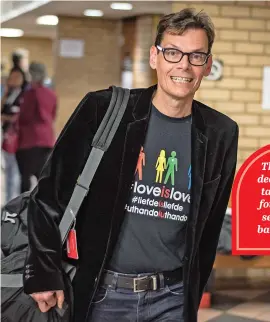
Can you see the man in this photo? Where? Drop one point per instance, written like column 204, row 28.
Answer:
column 146, row 248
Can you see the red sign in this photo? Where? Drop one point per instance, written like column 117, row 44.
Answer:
column 251, row 206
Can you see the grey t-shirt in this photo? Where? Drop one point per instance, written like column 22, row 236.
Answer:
column 153, row 233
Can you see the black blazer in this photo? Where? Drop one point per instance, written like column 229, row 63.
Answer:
column 214, row 154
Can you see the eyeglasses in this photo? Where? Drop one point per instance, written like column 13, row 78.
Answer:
column 173, row 55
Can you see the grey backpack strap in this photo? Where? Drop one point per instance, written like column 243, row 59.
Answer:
column 11, row 280
column 100, row 144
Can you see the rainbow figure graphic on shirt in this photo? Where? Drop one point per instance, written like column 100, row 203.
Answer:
column 160, row 166
column 189, row 177
column 172, row 166
column 140, row 164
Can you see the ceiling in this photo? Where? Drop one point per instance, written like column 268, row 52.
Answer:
column 27, row 21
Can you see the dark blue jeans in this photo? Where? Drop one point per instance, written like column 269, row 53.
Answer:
column 123, row 305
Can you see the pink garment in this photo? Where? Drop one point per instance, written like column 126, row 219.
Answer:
column 37, row 115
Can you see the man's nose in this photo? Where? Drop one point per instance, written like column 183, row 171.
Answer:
column 184, row 63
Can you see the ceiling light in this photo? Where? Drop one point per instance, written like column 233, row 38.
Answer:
column 10, row 32
column 93, row 13
column 47, row 20
column 121, row 6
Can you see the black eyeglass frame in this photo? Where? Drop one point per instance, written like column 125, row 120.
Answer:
column 163, row 50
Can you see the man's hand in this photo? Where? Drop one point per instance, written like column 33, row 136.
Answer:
column 47, row 300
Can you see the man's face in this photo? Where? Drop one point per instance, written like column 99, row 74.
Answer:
column 181, row 80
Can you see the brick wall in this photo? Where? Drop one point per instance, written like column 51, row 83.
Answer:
column 98, row 68
column 128, row 33
column 143, row 75
column 243, row 44
column 40, row 49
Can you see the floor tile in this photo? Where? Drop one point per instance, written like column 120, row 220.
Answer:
column 242, row 294
column 249, row 309
column 264, row 316
column 207, row 314
column 231, row 318
column 225, row 302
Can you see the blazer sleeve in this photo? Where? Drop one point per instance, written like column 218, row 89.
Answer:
column 211, row 233
column 43, row 271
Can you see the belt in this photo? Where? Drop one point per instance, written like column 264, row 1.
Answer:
column 140, row 283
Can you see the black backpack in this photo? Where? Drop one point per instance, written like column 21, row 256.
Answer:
column 16, row 305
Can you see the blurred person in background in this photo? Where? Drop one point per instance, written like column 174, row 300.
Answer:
column 19, row 60
column 10, row 108
column 3, row 79
column 36, row 126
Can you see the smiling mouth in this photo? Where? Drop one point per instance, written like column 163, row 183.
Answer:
column 181, row 79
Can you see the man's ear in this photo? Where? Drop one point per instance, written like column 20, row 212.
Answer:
column 153, row 57
column 208, row 66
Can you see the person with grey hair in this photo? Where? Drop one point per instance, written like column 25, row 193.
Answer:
column 37, row 72
column 36, row 126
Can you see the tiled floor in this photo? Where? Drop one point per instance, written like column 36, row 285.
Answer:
column 238, row 306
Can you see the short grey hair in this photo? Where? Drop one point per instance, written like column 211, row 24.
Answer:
column 37, row 72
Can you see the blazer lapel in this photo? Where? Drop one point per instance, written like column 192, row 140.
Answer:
column 135, row 135
column 134, row 140
column 198, row 158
